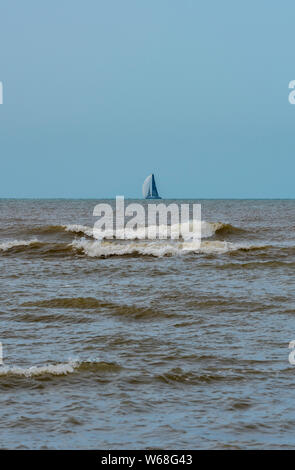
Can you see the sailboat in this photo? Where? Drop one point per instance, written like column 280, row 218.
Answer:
column 149, row 188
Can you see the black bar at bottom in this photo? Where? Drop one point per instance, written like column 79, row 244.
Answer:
column 136, row 459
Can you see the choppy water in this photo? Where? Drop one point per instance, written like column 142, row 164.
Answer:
column 142, row 343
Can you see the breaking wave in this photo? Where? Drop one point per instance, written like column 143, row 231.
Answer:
column 57, row 369
column 134, row 243
column 107, row 248
column 79, row 230
column 8, row 245
column 158, row 248
column 56, row 229
column 208, row 230
column 184, row 230
column 226, row 229
column 37, row 248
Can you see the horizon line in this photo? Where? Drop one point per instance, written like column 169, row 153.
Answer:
column 142, row 199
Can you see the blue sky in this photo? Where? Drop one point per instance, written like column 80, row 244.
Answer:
column 100, row 93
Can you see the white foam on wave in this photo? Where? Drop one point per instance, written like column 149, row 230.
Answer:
column 4, row 246
column 104, row 248
column 157, row 248
column 208, row 229
column 34, row 371
column 79, row 229
column 185, row 229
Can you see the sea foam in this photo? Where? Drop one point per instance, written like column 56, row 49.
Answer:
column 208, row 229
column 7, row 245
column 34, row 371
column 65, row 368
column 157, row 248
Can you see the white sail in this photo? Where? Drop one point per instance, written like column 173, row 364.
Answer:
column 146, row 187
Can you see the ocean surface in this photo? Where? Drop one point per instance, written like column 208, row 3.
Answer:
column 145, row 343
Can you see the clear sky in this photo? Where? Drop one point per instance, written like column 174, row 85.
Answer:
column 100, row 93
